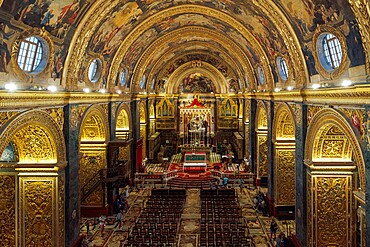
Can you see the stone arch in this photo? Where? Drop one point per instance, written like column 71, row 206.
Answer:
column 36, row 126
column 93, row 140
column 334, row 159
column 284, row 182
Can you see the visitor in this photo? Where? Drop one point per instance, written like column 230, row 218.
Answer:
column 226, row 181
column 284, row 241
column 278, row 240
column 119, row 219
column 241, row 185
column 102, row 222
column 273, row 228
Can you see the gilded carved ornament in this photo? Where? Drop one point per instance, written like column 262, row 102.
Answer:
column 317, row 49
column 284, row 125
column 361, row 9
column 35, row 144
column 188, row 8
column 347, row 143
column 7, row 210
column 262, row 156
column 94, row 125
column 46, row 37
column 262, row 121
column 160, row 45
column 285, row 177
column 123, row 120
column 37, row 201
column 142, row 111
column 40, row 124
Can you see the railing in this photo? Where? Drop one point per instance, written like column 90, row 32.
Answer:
column 103, row 176
column 169, row 175
column 93, row 183
column 247, row 177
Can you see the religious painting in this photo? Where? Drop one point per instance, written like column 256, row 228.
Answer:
column 109, row 36
column 196, row 83
column 5, row 34
column 138, row 46
column 9, row 154
column 55, row 16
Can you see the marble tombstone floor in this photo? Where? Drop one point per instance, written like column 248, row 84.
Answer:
column 188, row 234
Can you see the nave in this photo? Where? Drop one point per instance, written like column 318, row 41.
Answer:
column 191, row 227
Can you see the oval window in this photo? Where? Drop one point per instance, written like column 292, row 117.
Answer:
column 261, row 76
column 32, row 54
column 329, row 51
column 94, row 70
column 282, row 68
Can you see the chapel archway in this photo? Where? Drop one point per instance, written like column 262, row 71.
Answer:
column 33, row 182
column 143, row 125
column 335, row 178
column 261, row 143
column 92, row 155
column 284, row 165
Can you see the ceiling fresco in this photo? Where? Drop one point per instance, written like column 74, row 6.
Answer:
column 122, row 34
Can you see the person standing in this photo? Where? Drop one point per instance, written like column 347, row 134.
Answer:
column 273, row 228
column 119, row 219
column 102, row 222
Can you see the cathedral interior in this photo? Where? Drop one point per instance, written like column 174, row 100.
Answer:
column 94, row 92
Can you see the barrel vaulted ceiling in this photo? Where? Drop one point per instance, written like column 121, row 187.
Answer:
column 148, row 41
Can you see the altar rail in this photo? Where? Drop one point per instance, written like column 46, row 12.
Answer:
column 151, row 178
column 248, row 178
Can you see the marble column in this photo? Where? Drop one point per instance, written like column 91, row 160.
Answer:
column 300, row 114
column 73, row 114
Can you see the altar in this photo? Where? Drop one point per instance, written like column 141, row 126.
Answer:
column 195, row 162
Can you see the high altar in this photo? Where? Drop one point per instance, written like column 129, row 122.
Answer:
column 196, row 126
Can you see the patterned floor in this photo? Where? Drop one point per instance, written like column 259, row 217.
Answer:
column 188, row 235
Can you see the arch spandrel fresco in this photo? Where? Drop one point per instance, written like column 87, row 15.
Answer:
column 307, row 15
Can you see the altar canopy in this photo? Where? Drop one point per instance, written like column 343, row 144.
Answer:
column 196, row 126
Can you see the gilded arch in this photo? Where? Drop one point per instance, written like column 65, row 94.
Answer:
column 284, row 125
column 261, row 119
column 284, row 165
column 94, row 125
column 43, row 125
column 189, row 8
column 236, row 63
column 205, row 68
column 262, row 148
column 123, row 117
column 322, row 123
column 160, row 44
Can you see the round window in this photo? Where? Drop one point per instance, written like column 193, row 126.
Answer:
column 94, row 70
column 261, row 76
column 282, row 68
column 32, row 54
column 329, row 51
